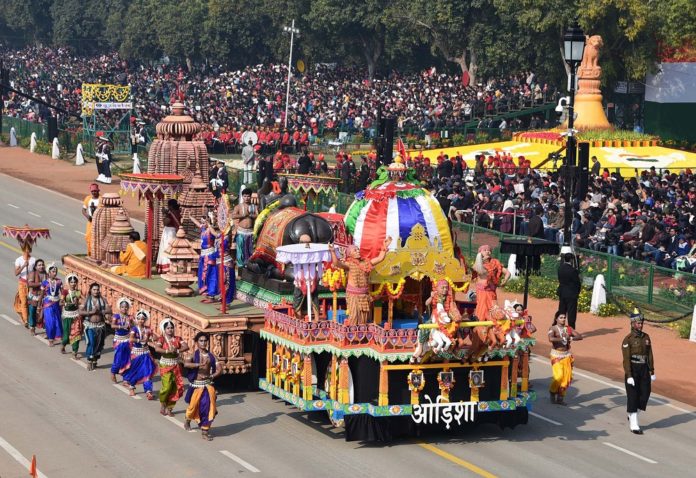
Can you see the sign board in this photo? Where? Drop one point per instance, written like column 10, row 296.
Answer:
column 692, row 335
column 621, row 87
column 636, row 88
column 448, row 412
column 113, row 106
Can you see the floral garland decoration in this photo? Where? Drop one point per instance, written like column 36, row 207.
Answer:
column 334, row 278
column 463, row 288
column 393, row 292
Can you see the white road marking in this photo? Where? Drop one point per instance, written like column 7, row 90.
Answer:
column 58, row 224
column 12, row 205
column 659, row 401
column 178, row 423
column 9, row 319
column 80, row 232
column 19, row 458
column 126, row 391
column 245, row 464
column 36, row 186
column 80, row 363
column 42, row 339
column 33, row 214
column 629, row 452
column 541, row 417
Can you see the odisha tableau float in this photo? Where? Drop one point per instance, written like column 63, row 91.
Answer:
column 391, row 346
column 368, row 317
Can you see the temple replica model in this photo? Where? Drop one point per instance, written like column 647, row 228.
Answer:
column 177, row 168
column 368, row 320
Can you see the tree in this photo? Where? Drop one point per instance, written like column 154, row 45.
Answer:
column 360, row 24
column 28, row 20
column 178, row 28
column 79, row 24
column 454, row 28
column 139, row 38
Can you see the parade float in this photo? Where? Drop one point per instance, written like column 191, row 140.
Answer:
column 177, row 168
column 419, row 359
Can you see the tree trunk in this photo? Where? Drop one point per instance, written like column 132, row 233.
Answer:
column 189, row 64
column 372, row 49
column 473, row 67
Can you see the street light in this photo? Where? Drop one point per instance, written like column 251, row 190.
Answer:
column 573, row 49
column 292, row 30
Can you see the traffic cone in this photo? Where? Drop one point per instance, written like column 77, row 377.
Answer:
column 32, row 467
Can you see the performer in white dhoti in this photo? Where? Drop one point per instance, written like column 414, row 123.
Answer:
column 171, row 218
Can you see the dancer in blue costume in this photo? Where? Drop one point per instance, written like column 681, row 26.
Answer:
column 121, row 322
column 51, row 293
column 214, row 288
column 95, row 310
column 142, row 366
column 207, row 249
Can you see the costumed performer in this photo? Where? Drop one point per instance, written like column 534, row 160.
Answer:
column 72, row 324
column 34, row 281
column 244, row 215
column 639, row 369
column 207, row 243
column 443, row 313
column 142, row 366
column 89, row 205
column 490, row 274
column 171, row 219
column 50, row 297
column 358, row 297
column 201, row 396
column 134, row 259
column 171, row 347
column 560, row 336
column 96, row 311
column 121, row 323
column 24, row 264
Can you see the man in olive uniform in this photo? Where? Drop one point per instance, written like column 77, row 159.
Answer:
column 639, row 369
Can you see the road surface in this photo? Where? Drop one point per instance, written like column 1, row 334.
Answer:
column 78, row 423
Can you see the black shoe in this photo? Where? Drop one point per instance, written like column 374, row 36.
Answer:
column 637, row 432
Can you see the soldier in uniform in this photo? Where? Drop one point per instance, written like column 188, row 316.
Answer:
column 639, row 369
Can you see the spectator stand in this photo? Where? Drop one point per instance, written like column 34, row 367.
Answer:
column 647, row 285
column 106, row 108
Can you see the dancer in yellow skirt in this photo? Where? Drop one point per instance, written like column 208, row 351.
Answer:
column 560, row 336
column 201, row 396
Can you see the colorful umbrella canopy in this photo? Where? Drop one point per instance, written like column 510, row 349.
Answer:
column 391, row 209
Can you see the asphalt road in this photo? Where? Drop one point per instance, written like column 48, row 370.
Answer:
column 78, row 424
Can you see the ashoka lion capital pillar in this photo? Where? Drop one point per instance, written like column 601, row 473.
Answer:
column 588, row 99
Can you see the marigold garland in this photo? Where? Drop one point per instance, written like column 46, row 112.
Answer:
column 392, row 292
column 334, row 278
column 463, row 288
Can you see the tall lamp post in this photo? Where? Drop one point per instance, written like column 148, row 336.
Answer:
column 573, row 49
column 292, row 30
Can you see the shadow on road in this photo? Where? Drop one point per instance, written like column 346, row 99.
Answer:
column 598, row 332
column 234, row 428
column 669, row 422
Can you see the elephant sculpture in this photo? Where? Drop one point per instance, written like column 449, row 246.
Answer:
column 270, row 191
column 280, row 224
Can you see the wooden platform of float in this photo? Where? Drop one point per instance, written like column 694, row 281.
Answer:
column 231, row 334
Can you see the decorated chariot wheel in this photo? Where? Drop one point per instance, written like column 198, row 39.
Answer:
column 336, row 416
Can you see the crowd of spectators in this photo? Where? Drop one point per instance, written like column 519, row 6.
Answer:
column 326, row 97
column 650, row 216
